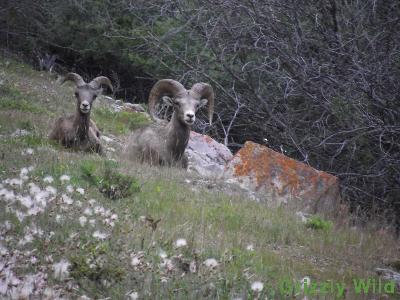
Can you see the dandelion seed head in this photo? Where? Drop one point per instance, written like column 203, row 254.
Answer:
column 133, row 295
column 250, row 247
column 70, row 189
column 64, row 178
column 99, row 235
column 180, row 243
column 82, row 220
column 211, row 263
column 257, row 286
column 51, row 190
column 48, row 179
column 66, row 199
column 61, row 269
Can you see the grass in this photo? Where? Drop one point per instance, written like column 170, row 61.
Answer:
column 119, row 122
column 128, row 243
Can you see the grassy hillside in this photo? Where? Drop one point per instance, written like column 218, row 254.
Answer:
column 75, row 225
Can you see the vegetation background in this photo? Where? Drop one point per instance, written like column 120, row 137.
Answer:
column 318, row 80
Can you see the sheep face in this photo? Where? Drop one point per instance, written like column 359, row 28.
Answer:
column 185, row 107
column 85, row 95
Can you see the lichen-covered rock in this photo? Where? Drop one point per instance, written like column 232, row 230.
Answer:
column 282, row 180
column 206, row 156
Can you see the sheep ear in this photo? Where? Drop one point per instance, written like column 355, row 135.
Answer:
column 167, row 100
column 203, row 102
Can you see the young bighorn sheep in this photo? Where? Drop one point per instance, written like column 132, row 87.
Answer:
column 78, row 131
column 164, row 143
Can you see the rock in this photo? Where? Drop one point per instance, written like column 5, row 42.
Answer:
column 389, row 274
column 134, row 107
column 206, row 156
column 20, row 132
column 119, row 102
column 283, row 180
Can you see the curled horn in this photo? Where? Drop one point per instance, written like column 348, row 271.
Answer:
column 75, row 78
column 163, row 87
column 98, row 81
column 205, row 91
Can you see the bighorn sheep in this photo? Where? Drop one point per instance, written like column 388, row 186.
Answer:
column 78, row 131
column 164, row 143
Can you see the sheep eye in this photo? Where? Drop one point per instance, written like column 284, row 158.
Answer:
column 94, row 97
column 76, row 94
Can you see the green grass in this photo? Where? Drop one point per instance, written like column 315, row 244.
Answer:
column 12, row 99
column 118, row 122
column 151, row 209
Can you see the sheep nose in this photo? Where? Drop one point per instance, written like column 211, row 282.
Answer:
column 85, row 104
column 190, row 116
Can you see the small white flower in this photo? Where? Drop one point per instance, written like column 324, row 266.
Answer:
column 92, row 202
column 31, row 168
column 80, row 191
column 250, row 247
column 51, row 190
column 162, row 254
column 92, row 222
column 28, row 151
column 114, row 217
column 135, row 261
column 70, row 189
column 257, row 286
column 180, row 243
column 48, row 179
column 133, row 296
column 61, row 269
column 65, row 178
column 211, row 263
column 99, row 235
column 88, row 211
column 67, row 200
column 59, row 219
column 34, row 260
column 82, row 220
column 142, row 219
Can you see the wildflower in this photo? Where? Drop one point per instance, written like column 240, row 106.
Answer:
column 58, row 219
column 88, row 211
column 133, row 295
column 28, row 151
column 135, row 261
column 114, row 217
column 61, row 269
column 51, row 190
column 211, row 263
column 180, row 243
column 257, row 286
column 92, row 222
column 162, row 254
column 48, row 179
column 82, row 220
column 80, row 191
column 65, row 178
column 250, row 247
column 99, row 235
column 67, row 200
column 70, row 188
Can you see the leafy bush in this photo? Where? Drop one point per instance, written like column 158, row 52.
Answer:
column 317, row 223
column 110, row 182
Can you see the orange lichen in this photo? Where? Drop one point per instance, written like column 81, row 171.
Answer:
column 271, row 169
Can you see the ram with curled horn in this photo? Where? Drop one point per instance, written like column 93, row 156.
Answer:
column 164, row 143
column 78, row 131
